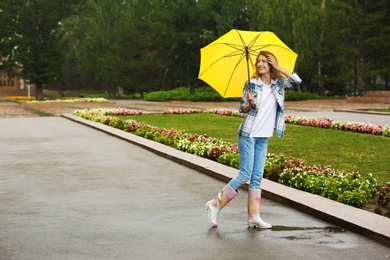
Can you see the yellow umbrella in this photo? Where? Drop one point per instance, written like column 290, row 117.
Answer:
column 228, row 62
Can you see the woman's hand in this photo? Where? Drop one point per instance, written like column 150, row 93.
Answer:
column 251, row 99
column 271, row 60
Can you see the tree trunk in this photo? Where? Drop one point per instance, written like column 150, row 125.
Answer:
column 319, row 71
column 39, row 91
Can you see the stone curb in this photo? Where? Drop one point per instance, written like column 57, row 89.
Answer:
column 361, row 112
column 368, row 224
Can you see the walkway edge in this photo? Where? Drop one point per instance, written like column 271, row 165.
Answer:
column 368, row 224
column 361, row 112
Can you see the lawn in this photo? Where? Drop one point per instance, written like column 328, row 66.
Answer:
column 381, row 110
column 347, row 151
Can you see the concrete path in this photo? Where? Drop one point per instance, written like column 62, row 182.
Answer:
column 71, row 192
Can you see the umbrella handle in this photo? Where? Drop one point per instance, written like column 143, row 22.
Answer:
column 247, row 61
column 251, row 102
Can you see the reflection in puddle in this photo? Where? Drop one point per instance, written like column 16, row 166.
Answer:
column 328, row 235
column 326, row 229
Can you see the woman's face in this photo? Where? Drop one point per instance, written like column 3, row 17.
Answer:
column 262, row 65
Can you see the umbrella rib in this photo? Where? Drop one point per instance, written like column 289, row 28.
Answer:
column 231, row 75
column 259, row 47
column 237, row 52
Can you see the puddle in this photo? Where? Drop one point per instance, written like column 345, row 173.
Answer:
column 328, row 235
column 326, row 229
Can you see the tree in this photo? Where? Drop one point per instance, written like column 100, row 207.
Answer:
column 308, row 32
column 296, row 23
column 35, row 39
column 177, row 27
column 140, row 46
column 111, row 41
column 375, row 51
column 7, row 36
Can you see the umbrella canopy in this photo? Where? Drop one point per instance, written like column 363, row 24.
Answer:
column 228, row 62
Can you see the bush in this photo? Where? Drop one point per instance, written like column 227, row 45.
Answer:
column 274, row 166
column 209, row 94
column 386, row 131
column 347, row 188
column 231, row 159
column 183, row 93
column 384, row 197
column 273, row 172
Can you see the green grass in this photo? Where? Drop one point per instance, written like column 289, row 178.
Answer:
column 380, row 110
column 342, row 150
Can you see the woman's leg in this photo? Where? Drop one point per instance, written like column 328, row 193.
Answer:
column 254, row 219
column 254, row 192
column 260, row 155
column 215, row 205
column 247, row 153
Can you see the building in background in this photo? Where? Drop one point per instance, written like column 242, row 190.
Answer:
column 15, row 87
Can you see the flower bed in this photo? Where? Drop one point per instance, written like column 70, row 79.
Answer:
column 346, row 187
column 322, row 122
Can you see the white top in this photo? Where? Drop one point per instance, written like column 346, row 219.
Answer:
column 264, row 123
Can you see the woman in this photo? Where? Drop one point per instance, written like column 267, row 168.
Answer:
column 263, row 102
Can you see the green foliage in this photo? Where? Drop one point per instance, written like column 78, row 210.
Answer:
column 386, row 130
column 274, row 166
column 347, row 188
column 381, row 110
column 231, row 159
column 273, row 172
column 384, row 197
column 183, row 93
column 105, row 41
column 143, row 46
column 202, row 146
column 33, row 43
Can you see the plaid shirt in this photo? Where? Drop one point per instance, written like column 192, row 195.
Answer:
column 278, row 87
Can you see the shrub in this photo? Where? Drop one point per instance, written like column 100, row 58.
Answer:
column 209, row 94
column 347, row 188
column 231, row 159
column 274, row 165
column 386, row 131
column 384, row 197
column 183, row 93
column 273, row 172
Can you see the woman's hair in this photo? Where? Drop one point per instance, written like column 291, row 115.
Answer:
column 274, row 73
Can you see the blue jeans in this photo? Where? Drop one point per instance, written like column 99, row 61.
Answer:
column 253, row 152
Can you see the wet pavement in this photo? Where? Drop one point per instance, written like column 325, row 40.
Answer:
column 68, row 191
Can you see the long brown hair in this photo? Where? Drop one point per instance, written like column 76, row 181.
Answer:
column 274, row 73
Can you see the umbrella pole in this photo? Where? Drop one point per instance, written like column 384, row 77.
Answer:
column 247, row 68
column 247, row 61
